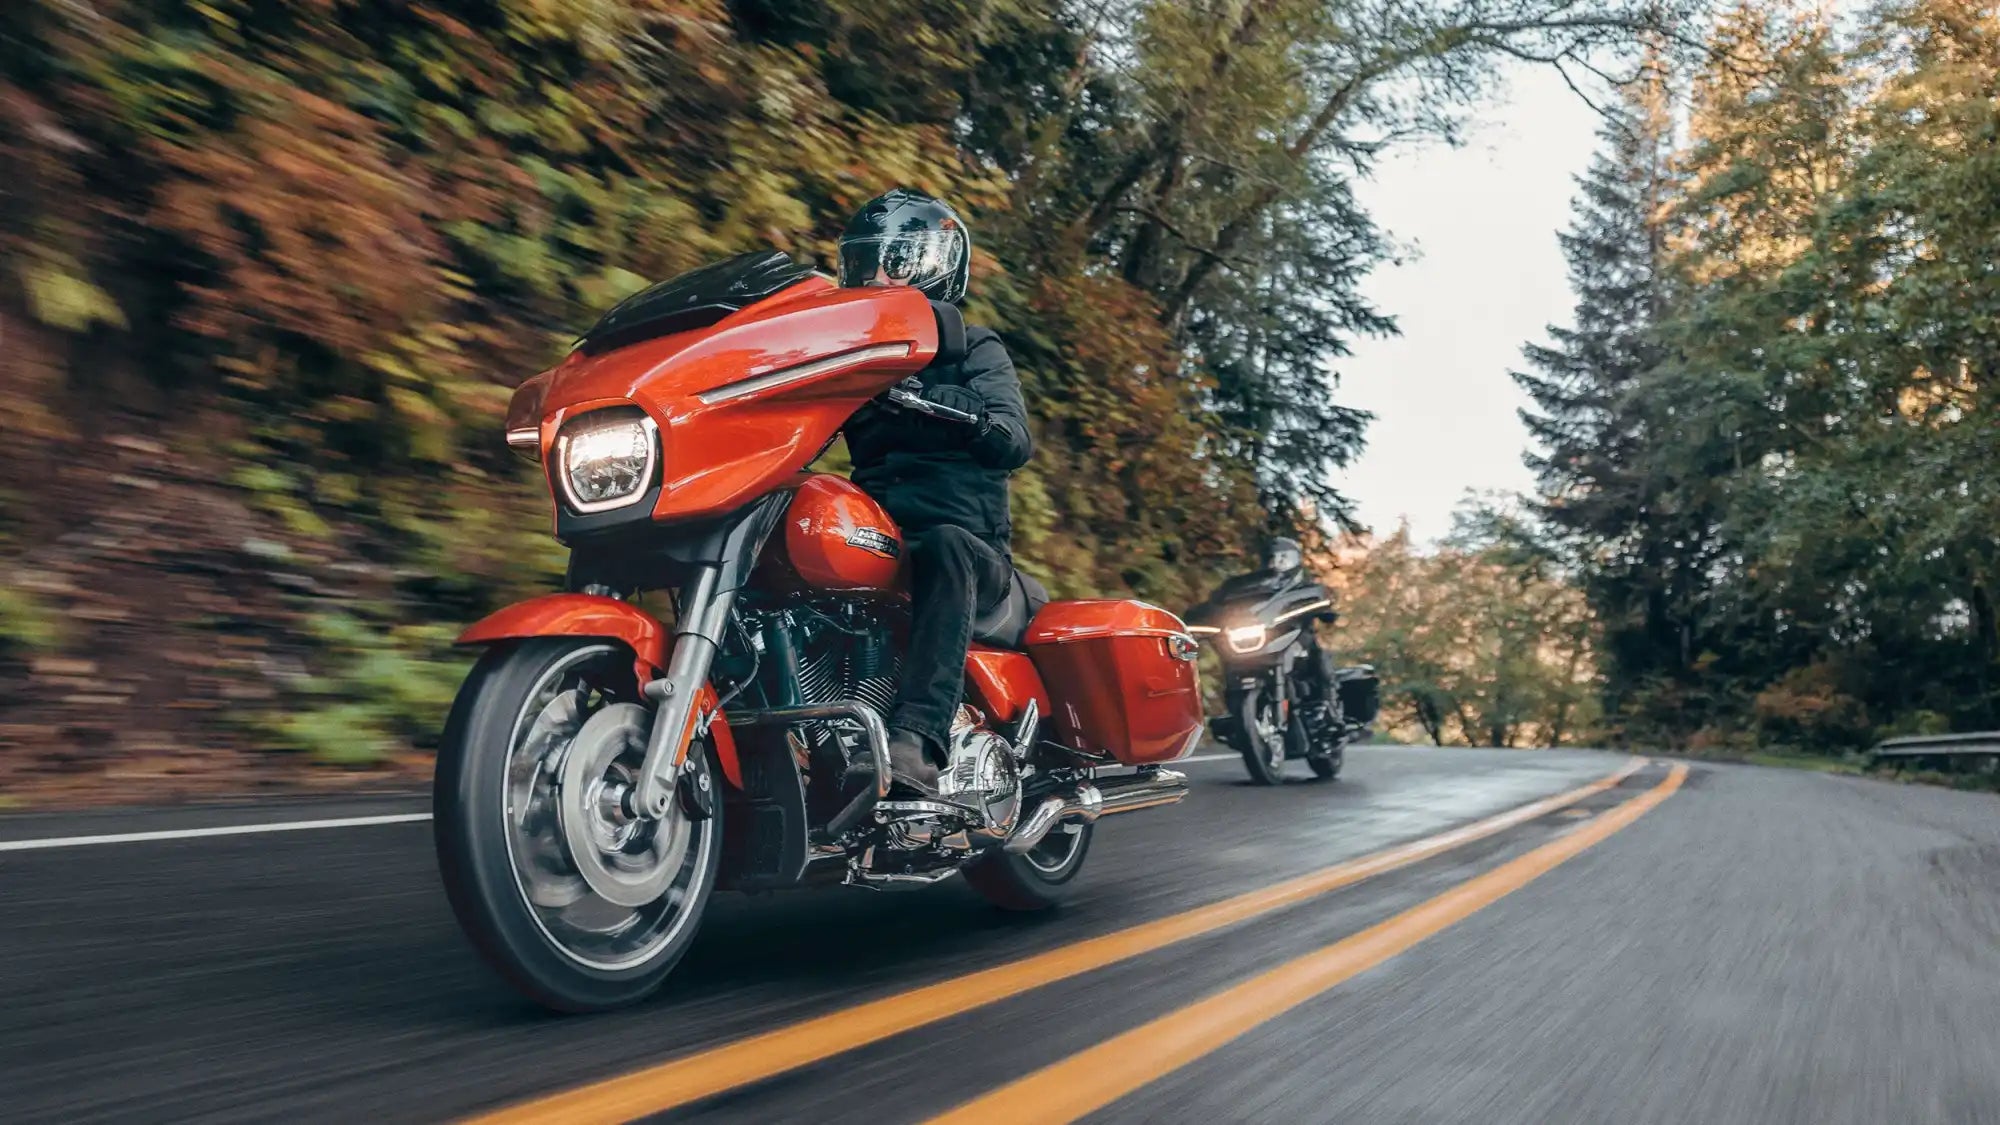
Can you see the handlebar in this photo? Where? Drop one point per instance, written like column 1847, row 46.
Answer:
column 910, row 400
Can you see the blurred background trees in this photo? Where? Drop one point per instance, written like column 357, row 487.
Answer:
column 1769, row 446
column 270, row 269
column 1482, row 640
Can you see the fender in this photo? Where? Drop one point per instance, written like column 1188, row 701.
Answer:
column 1004, row 681
column 589, row 615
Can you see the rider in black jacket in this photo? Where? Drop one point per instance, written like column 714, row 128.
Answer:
column 930, row 473
column 945, row 483
column 1284, row 569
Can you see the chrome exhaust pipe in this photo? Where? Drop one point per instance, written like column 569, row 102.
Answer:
column 1080, row 807
column 1034, row 827
column 1143, row 791
column 1088, row 801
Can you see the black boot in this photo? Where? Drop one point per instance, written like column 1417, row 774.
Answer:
column 910, row 763
column 1322, row 725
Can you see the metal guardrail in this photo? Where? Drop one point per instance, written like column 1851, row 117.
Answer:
column 1924, row 745
column 1939, row 746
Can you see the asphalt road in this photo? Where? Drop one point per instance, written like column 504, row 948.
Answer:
column 1761, row 946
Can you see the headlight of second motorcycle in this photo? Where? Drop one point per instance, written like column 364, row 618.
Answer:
column 605, row 458
column 1246, row 638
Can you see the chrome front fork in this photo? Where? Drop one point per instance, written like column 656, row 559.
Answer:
column 704, row 612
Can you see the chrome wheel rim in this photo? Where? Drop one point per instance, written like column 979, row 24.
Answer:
column 1057, row 850
column 1270, row 736
column 606, row 890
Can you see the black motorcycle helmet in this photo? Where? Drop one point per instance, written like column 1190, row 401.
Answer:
column 905, row 237
column 1282, row 555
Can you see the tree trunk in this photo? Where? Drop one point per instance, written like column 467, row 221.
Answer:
column 1466, row 725
column 1142, row 254
column 1429, row 718
column 1988, row 633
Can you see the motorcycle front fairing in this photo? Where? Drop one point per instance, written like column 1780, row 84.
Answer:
column 1254, row 625
column 740, row 406
column 737, row 409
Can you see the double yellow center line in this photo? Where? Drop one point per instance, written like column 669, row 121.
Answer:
column 716, row 1070
column 1094, row 1078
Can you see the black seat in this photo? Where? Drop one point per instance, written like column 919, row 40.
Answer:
column 1005, row 622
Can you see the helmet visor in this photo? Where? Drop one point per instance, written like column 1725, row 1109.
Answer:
column 918, row 258
column 1282, row 559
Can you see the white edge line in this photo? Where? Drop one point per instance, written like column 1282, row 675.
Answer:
column 284, row 826
column 196, row 833
column 289, row 826
column 351, row 822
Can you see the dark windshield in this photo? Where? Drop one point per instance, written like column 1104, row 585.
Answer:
column 1251, row 592
column 695, row 299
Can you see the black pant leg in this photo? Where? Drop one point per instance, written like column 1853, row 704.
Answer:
column 1318, row 668
column 953, row 575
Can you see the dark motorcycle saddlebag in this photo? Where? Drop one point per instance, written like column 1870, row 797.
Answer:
column 1121, row 679
column 1360, row 693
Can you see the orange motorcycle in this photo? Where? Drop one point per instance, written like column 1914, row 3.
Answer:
column 610, row 762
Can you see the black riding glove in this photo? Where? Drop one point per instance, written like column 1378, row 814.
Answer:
column 965, row 399
column 957, row 398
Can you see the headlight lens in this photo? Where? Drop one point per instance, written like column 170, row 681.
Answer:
column 1246, row 638
column 606, row 458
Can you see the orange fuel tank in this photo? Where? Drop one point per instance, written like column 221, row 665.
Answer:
column 838, row 538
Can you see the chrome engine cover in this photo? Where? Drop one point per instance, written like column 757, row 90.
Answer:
column 979, row 794
column 982, row 777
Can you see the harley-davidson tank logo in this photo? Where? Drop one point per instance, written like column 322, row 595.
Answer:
column 875, row 541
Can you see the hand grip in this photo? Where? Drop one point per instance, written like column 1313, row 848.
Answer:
column 910, row 400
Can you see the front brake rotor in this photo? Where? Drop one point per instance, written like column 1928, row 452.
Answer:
column 626, row 860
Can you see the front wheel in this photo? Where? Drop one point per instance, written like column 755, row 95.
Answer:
column 1261, row 737
column 576, row 904
column 1325, row 737
column 1037, row 879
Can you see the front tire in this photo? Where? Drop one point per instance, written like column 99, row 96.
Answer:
column 1260, row 738
column 1327, row 751
column 1037, row 879
column 542, row 734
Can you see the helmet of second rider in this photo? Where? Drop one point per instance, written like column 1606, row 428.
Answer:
column 1282, row 556
column 904, row 237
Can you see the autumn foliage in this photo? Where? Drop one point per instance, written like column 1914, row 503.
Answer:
column 272, row 267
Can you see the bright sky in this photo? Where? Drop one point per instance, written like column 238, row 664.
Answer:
column 1486, row 276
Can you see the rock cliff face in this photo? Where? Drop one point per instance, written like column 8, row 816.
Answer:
column 163, row 628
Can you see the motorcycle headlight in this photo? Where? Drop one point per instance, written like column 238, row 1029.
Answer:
column 605, row 459
column 1246, row 638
